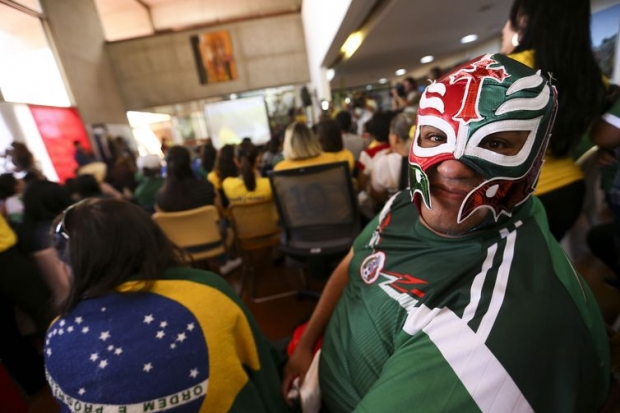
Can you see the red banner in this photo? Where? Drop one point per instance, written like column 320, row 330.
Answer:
column 59, row 129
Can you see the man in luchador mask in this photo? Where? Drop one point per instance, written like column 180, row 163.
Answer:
column 456, row 297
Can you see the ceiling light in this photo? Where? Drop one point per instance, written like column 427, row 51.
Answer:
column 469, row 38
column 383, row 80
column 401, row 72
column 330, row 74
column 427, row 59
column 351, row 44
column 324, row 105
column 233, row 96
column 369, row 87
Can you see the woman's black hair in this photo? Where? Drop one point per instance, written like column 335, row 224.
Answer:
column 246, row 157
column 559, row 34
column 85, row 186
column 208, row 153
column 110, row 242
column 330, row 135
column 44, row 200
column 178, row 164
column 225, row 163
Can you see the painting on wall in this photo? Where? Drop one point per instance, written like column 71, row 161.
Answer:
column 604, row 28
column 214, row 57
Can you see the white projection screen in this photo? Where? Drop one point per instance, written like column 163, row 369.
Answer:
column 229, row 121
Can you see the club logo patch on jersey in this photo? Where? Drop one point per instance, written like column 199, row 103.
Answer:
column 371, row 267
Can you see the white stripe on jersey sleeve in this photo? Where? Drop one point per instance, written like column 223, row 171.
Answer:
column 476, row 286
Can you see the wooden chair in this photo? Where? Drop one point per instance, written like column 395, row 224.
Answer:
column 256, row 232
column 195, row 231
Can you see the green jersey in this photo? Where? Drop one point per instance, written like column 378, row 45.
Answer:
column 495, row 321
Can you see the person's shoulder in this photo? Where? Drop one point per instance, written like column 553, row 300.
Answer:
column 525, row 57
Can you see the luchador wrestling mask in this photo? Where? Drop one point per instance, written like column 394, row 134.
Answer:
column 487, row 95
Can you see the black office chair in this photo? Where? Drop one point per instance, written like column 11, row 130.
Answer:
column 319, row 214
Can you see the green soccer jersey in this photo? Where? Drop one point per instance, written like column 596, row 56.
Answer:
column 496, row 321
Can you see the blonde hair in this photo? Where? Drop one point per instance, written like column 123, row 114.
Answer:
column 300, row 142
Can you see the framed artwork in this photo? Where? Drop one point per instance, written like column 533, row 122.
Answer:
column 214, row 57
column 604, row 31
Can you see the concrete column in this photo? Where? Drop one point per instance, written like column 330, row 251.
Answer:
column 79, row 43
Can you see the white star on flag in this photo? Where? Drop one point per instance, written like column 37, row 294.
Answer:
column 103, row 364
column 110, row 347
column 61, row 332
column 173, row 346
column 94, row 357
column 62, row 323
column 160, row 334
column 85, row 330
column 193, row 373
column 118, row 351
column 147, row 367
column 70, row 329
column 103, row 309
column 104, row 336
column 78, row 320
column 163, row 324
column 49, row 352
column 81, row 391
column 181, row 337
column 190, row 326
column 148, row 319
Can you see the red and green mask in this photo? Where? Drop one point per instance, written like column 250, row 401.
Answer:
column 489, row 94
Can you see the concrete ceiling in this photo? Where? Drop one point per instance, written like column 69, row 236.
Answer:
column 398, row 33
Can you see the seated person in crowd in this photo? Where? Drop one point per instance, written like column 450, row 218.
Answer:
column 330, row 137
column 225, row 167
column 350, row 141
column 150, row 183
column 387, row 170
column 302, row 148
column 378, row 127
column 249, row 186
column 182, row 190
column 43, row 201
column 457, row 297
column 141, row 331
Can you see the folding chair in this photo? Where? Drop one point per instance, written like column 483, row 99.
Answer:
column 256, row 231
column 195, row 231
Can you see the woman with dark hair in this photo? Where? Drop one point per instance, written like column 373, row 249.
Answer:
column 181, row 190
column 330, row 137
column 555, row 38
column 225, row 167
column 138, row 329
column 249, row 186
column 208, row 154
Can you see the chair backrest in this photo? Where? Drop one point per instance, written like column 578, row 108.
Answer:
column 254, row 220
column 196, row 231
column 316, row 203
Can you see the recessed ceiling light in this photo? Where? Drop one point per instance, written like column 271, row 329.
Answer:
column 469, row 38
column 427, row 59
column 383, row 80
column 233, row 96
column 369, row 87
column 401, row 72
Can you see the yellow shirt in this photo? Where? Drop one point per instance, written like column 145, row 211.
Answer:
column 323, row 158
column 346, row 156
column 214, row 178
column 7, row 236
column 556, row 172
column 237, row 193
